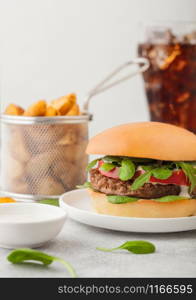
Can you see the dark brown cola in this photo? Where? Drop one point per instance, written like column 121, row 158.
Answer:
column 170, row 82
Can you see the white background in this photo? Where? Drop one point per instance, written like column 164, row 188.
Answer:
column 53, row 47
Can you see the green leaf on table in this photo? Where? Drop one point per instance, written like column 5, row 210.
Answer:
column 54, row 202
column 141, row 180
column 121, row 199
column 24, row 254
column 127, row 169
column 136, row 247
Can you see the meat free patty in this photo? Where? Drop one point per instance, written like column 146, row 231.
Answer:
column 111, row 186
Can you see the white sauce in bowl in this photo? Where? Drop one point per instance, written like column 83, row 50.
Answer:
column 28, row 213
column 26, row 217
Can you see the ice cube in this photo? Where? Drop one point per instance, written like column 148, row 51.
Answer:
column 159, row 35
column 190, row 38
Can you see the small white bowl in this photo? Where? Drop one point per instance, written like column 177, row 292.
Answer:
column 29, row 224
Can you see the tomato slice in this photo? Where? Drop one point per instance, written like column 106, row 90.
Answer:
column 178, row 177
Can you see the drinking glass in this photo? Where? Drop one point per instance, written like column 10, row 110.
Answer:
column 170, row 85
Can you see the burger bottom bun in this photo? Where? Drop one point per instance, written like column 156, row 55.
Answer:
column 143, row 208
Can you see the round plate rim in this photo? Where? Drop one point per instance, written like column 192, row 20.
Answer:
column 63, row 204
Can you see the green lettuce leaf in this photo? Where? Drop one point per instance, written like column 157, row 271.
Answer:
column 121, row 199
column 112, row 159
column 115, row 199
column 161, row 173
column 127, row 169
column 190, row 172
column 170, row 198
column 147, row 168
column 142, row 160
column 107, row 167
column 92, row 164
column 141, row 180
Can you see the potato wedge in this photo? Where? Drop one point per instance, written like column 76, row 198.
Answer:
column 49, row 186
column 40, row 139
column 39, row 165
column 19, row 152
column 51, row 111
column 70, row 136
column 65, row 172
column 13, row 109
column 64, row 104
column 74, row 111
column 18, row 186
column 14, row 169
column 37, row 109
column 73, row 152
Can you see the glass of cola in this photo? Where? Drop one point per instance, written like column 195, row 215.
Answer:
column 170, row 80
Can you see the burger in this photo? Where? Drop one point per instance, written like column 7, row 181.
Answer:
column 145, row 170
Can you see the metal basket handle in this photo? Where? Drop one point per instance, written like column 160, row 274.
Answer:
column 106, row 84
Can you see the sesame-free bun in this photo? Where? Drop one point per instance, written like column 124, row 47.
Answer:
column 143, row 208
column 146, row 140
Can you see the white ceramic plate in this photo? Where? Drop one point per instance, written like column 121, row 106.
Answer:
column 77, row 204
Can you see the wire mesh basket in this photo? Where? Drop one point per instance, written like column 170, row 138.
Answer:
column 42, row 157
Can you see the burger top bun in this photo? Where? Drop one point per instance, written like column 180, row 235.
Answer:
column 146, row 140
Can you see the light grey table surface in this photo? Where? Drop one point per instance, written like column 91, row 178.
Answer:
column 175, row 255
